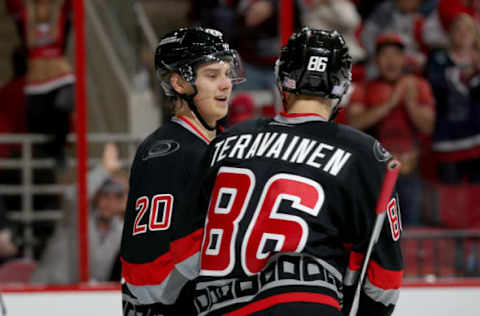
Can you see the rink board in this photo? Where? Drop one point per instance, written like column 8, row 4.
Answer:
column 415, row 299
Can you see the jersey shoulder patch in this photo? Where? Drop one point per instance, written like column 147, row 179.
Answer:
column 161, row 148
column 380, row 153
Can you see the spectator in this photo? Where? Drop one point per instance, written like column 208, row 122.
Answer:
column 401, row 17
column 44, row 27
column 340, row 15
column 435, row 28
column 107, row 186
column 398, row 109
column 454, row 75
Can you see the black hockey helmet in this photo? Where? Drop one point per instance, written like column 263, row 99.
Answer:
column 315, row 62
column 183, row 50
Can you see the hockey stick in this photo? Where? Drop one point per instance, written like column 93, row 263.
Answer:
column 387, row 189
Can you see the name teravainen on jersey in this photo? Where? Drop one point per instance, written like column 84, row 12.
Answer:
column 285, row 147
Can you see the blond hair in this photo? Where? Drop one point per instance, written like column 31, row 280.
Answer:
column 463, row 17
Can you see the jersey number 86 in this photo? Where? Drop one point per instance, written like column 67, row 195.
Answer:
column 289, row 232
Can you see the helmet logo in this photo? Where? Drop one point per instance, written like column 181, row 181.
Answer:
column 169, row 40
column 213, row 32
column 317, row 63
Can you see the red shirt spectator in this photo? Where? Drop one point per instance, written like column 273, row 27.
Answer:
column 396, row 131
column 397, row 109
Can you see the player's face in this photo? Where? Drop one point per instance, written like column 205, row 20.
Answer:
column 214, row 88
column 390, row 61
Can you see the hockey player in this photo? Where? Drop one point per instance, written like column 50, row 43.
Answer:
column 161, row 234
column 293, row 201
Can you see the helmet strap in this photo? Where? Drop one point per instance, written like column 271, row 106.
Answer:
column 194, row 109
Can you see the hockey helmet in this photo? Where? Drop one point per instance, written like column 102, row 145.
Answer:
column 184, row 49
column 315, row 62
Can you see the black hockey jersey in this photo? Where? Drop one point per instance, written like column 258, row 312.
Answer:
column 292, row 208
column 162, row 233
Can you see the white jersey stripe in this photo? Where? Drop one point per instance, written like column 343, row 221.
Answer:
column 386, row 297
column 286, row 118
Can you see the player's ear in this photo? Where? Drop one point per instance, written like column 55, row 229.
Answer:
column 178, row 83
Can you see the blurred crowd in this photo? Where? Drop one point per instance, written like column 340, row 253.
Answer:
column 416, row 87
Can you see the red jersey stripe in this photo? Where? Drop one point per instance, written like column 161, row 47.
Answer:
column 301, row 115
column 151, row 273
column 355, row 260
column 186, row 247
column 384, row 278
column 186, row 120
column 285, row 298
column 155, row 272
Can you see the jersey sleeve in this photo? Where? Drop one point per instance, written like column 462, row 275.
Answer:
column 380, row 290
column 160, row 245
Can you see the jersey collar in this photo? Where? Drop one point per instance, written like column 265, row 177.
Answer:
column 298, row 118
column 188, row 124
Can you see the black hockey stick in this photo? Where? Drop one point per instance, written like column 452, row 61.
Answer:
column 381, row 208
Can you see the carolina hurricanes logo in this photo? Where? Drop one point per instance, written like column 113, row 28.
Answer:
column 162, row 148
column 380, row 152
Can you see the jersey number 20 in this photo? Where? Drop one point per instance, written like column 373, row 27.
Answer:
column 230, row 198
column 160, row 213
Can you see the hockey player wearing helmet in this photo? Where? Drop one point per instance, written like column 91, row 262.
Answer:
column 197, row 68
column 162, row 229
column 292, row 201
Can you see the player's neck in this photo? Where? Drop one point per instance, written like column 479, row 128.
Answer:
column 310, row 106
column 196, row 122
